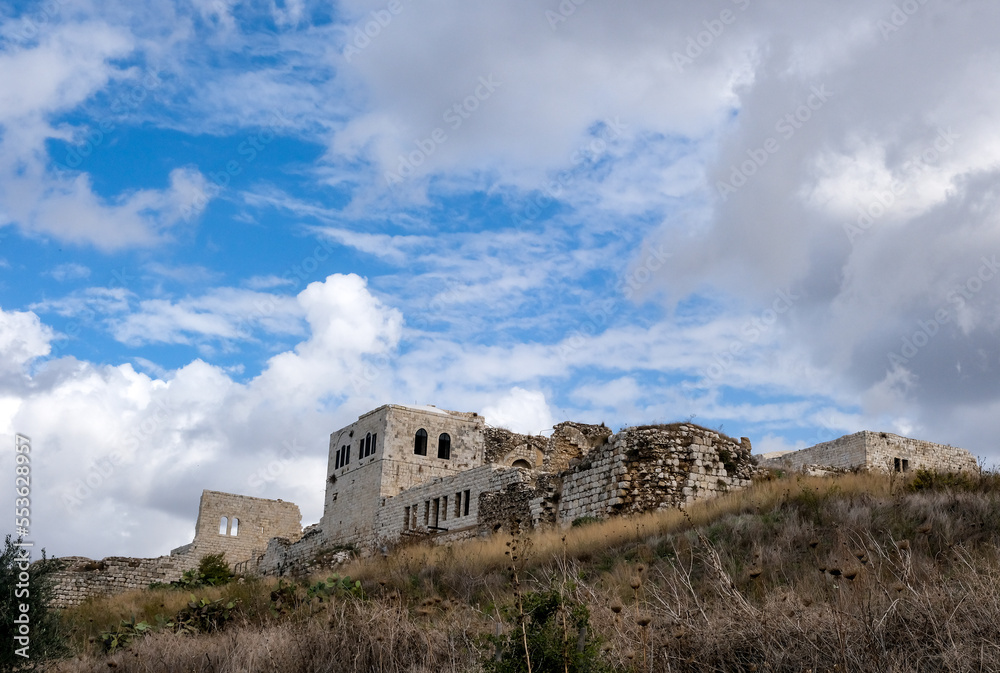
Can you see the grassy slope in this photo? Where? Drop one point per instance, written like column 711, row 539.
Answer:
column 850, row 573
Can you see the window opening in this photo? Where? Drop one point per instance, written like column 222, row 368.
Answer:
column 420, row 443
column 444, row 446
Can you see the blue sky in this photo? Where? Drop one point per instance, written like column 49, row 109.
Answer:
column 228, row 228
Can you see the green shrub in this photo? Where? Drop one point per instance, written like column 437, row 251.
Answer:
column 46, row 640
column 557, row 632
column 584, row 520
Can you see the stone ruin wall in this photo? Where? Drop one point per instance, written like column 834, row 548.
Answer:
column 81, row 578
column 259, row 521
column 884, row 447
column 653, row 467
column 876, row 451
column 568, row 442
column 637, row 470
column 845, row 453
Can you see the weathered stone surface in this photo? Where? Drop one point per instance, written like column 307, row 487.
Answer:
column 379, row 492
column 881, row 451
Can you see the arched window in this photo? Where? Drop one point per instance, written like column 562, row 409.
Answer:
column 521, row 462
column 444, row 446
column 420, row 443
column 223, row 526
column 368, row 445
column 235, row 529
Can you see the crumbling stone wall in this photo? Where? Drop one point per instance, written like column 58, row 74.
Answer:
column 81, row 578
column 876, row 451
column 568, row 442
column 259, row 521
column 652, row 467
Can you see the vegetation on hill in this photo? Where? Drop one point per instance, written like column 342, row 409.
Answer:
column 853, row 573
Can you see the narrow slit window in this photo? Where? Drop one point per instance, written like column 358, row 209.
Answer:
column 406, row 521
column 444, row 508
column 420, row 443
column 368, row 445
column 444, row 446
column 458, row 504
column 466, row 504
column 374, row 440
column 437, row 511
column 427, row 512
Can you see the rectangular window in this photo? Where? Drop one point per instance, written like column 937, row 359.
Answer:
column 466, row 503
column 406, row 521
column 336, row 460
column 444, row 508
column 458, row 504
column 347, row 454
column 906, row 465
column 437, row 511
column 427, row 512
column 896, row 466
column 374, row 440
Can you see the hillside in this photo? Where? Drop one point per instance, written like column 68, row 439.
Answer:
column 858, row 572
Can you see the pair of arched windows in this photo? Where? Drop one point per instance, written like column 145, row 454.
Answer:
column 229, row 528
column 420, row 444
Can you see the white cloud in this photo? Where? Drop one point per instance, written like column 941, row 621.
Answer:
column 520, row 410
column 69, row 271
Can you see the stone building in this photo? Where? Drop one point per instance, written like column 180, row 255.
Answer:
column 405, row 471
column 881, row 451
column 240, row 526
column 401, row 472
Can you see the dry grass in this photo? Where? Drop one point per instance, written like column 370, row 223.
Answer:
column 846, row 574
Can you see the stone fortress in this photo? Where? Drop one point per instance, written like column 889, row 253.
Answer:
column 404, row 472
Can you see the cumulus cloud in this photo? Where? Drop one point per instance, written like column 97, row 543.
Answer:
column 520, row 410
column 116, row 448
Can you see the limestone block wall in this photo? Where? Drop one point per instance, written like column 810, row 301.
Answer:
column 81, row 578
column 844, row 453
column 352, row 500
column 247, row 525
column 878, row 451
column 284, row 556
column 568, row 442
column 444, row 506
column 393, row 428
column 883, row 448
column 651, row 467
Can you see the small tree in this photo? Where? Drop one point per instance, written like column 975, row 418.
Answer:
column 557, row 638
column 45, row 640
